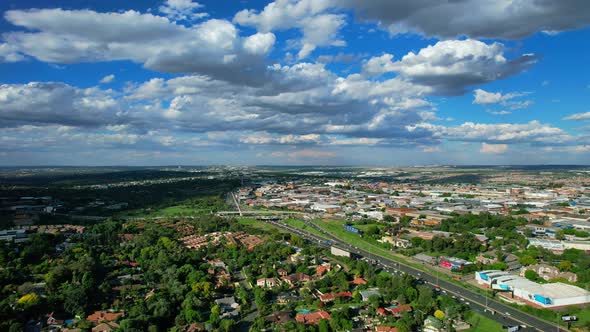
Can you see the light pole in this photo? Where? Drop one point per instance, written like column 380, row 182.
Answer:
column 436, row 269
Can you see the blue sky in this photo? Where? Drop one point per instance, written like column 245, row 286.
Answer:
column 294, row 82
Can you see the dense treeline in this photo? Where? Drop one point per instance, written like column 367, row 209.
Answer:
column 472, row 222
column 193, row 192
column 463, row 245
column 90, row 177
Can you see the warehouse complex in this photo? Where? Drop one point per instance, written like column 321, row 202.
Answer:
column 550, row 296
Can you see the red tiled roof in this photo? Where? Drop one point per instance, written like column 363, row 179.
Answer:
column 359, row 281
column 312, row 317
column 331, row 296
column 323, row 268
column 400, row 309
column 100, row 316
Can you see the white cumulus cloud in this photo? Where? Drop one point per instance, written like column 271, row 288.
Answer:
column 108, row 79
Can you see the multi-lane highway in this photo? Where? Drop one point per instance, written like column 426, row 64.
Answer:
column 502, row 313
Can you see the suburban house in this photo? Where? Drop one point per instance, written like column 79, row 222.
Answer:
column 295, row 278
column 267, row 282
column 549, row 272
column 100, row 316
column 105, row 327
column 229, row 307
column 329, row 297
column 312, row 318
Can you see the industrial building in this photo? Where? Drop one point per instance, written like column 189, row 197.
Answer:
column 550, row 296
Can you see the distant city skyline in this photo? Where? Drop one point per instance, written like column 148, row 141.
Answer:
column 294, row 82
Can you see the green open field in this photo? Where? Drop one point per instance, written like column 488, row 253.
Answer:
column 583, row 318
column 178, row 210
column 296, row 223
column 336, row 228
column 365, row 227
column 481, row 323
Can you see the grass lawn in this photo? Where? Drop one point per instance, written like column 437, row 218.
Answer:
column 296, row 223
column 481, row 323
column 336, row 228
column 583, row 317
column 365, row 227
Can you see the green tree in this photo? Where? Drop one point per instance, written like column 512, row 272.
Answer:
column 425, row 299
column 565, row 266
column 323, row 326
column 402, row 326
column 215, row 314
column 227, row 325
column 372, row 230
column 531, row 275
column 527, row 260
column 375, row 300
column 203, row 289
column 16, row 327
column 75, row 298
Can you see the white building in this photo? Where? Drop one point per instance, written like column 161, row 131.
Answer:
column 373, row 215
column 559, row 246
column 550, row 296
column 319, row 207
column 553, row 245
column 339, row 252
column 267, row 282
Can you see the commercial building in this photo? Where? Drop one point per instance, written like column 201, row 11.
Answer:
column 557, row 246
column 339, row 252
column 425, row 259
column 453, row 263
column 549, row 296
